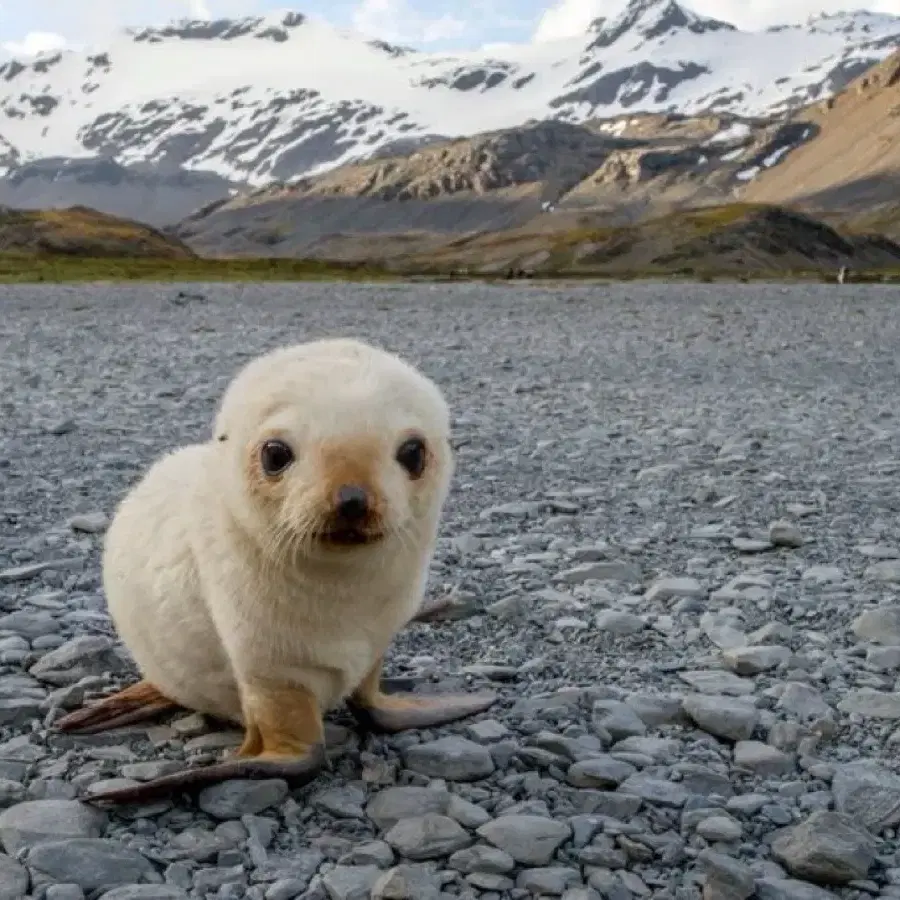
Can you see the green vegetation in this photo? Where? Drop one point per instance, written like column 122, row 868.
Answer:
column 21, row 269
column 58, row 268
column 79, row 244
column 731, row 242
column 711, row 218
column 80, row 231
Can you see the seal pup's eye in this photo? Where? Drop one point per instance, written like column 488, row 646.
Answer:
column 411, row 455
column 275, row 457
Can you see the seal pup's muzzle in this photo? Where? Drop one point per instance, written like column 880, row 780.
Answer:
column 353, row 520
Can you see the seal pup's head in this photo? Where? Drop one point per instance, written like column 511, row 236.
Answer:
column 331, row 447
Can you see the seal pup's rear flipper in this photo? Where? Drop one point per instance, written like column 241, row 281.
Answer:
column 284, row 737
column 135, row 703
column 296, row 771
column 390, row 713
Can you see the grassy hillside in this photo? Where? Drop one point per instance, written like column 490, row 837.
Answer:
column 26, row 269
column 737, row 239
column 79, row 231
column 80, row 244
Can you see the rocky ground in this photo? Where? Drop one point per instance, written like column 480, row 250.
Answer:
column 675, row 537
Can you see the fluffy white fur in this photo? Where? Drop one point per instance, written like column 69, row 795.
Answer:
column 210, row 576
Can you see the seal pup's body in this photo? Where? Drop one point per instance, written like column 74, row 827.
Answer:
column 261, row 576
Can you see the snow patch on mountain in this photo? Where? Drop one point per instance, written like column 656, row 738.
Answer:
column 281, row 96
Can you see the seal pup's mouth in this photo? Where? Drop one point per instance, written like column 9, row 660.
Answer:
column 349, row 537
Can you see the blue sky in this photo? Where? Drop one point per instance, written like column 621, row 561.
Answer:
column 30, row 25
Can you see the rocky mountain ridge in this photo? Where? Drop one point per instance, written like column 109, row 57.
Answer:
column 832, row 158
column 625, row 168
column 201, row 96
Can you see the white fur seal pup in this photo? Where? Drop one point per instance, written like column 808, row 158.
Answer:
column 261, row 576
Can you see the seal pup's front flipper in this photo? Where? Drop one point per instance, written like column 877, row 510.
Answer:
column 284, row 737
column 390, row 713
column 136, row 703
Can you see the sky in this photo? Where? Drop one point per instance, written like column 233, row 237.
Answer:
column 31, row 26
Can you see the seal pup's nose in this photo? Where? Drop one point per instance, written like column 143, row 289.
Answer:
column 351, row 503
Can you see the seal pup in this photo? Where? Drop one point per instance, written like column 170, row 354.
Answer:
column 260, row 577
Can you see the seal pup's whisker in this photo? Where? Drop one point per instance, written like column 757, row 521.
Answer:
column 405, row 535
column 261, row 579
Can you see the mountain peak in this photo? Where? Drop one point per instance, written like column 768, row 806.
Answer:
column 651, row 19
column 281, row 96
column 275, row 26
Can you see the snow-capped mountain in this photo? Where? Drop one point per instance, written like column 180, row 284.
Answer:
column 281, row 96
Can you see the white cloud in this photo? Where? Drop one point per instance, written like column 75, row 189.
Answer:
column 199, row 9
column 397, row 21
column 95, row 20
column 567, row 18
column 34, row 43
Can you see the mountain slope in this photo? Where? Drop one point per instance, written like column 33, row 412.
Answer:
column 143, row 193
column 79, row 232
column 852, row 163
column 281, row 96
column 735, row 239
column 628, row 168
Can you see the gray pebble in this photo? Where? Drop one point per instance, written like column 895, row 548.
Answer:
column 66, row 892
column 726, row 717
column 407, row 882
column 394, row 804
column 726, row 877
column 761, row 759
column 826, row 848
column 866, row 791
column 604, row 772
column 13, row 879
column 528, row 839
column 753, row 660
column 427, row 837
column 34, row 821
column 91, row 863
column 720, row 828
column 350, row 882
column 90, row 523
column 880, row 625
column 655, row 790
column 452, row 758
column 146, row 892
column 240, row 797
